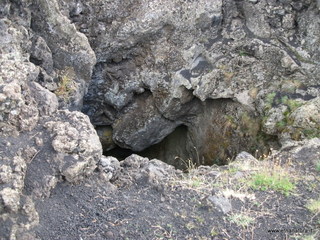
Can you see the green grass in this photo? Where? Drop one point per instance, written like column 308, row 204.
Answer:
column 195, row 183
column 291, row 103
column 272, row 181
column 309, row 237
column 243, row 53
column 314, row 206
column 318, row 166
column 270, row 100
column 241, row 219
column 232, row 170
column 214, row 232
column 312, row 133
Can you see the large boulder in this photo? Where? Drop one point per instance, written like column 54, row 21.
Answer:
column 76, row 145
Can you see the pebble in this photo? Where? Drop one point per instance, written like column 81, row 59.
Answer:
column 109, row 235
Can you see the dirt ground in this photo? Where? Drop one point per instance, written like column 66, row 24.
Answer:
column 185, row 206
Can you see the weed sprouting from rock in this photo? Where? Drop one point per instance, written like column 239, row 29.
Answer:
column 66, row 84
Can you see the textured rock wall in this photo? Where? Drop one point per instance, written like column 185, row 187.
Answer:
column 45, row 66
column 159, row 62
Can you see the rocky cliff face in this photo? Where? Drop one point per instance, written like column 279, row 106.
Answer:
column 160, row 64
column 230, row 74
column 46, row 65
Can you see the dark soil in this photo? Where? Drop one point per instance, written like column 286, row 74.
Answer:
column 179, row 209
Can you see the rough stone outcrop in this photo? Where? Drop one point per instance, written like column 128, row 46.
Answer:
column 143, row 170
column 177, row 56
column 45, row 65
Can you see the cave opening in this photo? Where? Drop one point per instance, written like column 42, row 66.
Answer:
column 179, row 150
column 221, row 130
column 172, row 149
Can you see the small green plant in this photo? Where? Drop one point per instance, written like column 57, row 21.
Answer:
column 284, row 99
column 243, row 53
column 312, row 133
column 241, row 219
column 285, row 125
column 281, row 124
column 309, row 237
column 232, row 170
column 272, row 180
column 66, row 84
column 195, row 183
column 199, row 219
column 188, row 164
column 213, row 232
column 190, row 226
column 270, row 100
column 291, row 103
column 318, row 166
column 314, row 206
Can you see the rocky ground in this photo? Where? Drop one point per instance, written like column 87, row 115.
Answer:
column 151, row 200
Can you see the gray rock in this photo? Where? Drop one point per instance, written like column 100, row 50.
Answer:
column 274, row 116
column 48, row 184
column 140, row 170
column 9, row 200
column 308, row 150
column 223, row 204
column 256, row 20
column 206, row 65
column 12, row 173
column 46, row 100
column 245, row 157
column 134, row 161
column 41, row 54
column 28, row 55
column 76, row 143
column 69, row 48
column 5, row 174
column 158, row 170
column 308, row 115
column 141, row 126
column 110, row 168
column 243, row 162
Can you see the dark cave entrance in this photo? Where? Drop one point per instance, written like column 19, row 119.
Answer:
column 172, row 149
column 222, row 130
